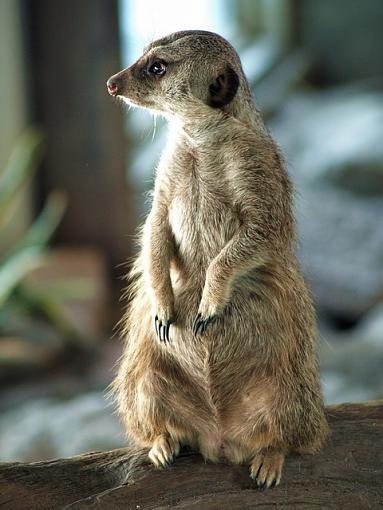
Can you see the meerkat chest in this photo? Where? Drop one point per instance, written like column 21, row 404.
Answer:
column 202, row 215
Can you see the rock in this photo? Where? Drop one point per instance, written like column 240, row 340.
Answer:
column 351, row 372
column 337, row 389
column 370, row 329
column 337, row 139
column 332, row 142
column 341, row 249
column 352, row 362
column 47, row 428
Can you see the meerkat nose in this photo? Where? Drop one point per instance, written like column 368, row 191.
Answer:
column 112, row 87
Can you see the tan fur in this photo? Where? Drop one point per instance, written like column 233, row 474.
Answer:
column 219, row 241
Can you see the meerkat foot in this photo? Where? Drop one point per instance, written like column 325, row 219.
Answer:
column 164, row 451
column 266, row 468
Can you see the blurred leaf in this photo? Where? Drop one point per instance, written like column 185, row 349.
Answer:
column 23, row 162
column 29, row 313
column 70, row 288
column 28, row 254
column 19, row 350
column 46, row 223
column 16, row 267
column 42, row 303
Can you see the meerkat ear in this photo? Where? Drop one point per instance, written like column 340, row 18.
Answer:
column 223, row 89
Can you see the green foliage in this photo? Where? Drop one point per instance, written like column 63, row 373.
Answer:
column 29, row 252
column 22, row 164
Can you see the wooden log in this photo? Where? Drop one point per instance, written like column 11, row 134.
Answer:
column 347, row 474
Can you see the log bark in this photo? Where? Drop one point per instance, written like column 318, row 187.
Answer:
column 347, row 474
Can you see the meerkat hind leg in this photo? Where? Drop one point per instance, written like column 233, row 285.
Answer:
column 164, row 450
column 266, row 468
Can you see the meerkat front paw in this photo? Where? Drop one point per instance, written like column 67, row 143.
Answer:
column 163, row 318
column 266, row 468
column 164, row 450
column 208, row 312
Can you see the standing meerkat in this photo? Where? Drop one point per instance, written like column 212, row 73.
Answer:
column 221, row 331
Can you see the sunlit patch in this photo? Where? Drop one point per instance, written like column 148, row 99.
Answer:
column 129, row 102
column 143, row 21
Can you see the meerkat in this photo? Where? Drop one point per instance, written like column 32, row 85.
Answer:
column 220, row 329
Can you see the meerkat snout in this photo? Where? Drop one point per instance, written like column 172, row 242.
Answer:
column 112, row 87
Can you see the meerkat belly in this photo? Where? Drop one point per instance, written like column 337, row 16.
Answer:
column 201, row 226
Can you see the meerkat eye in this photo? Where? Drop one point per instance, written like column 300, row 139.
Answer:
column 158, row 68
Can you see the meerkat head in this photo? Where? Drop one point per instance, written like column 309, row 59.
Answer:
column 194, row 62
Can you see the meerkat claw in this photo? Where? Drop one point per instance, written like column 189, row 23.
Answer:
column 164, row 451
column 200, row 324
column 206, row 322
column 162, row 333
column 156, row 324
column 162, row 329
column 166, row 330
column 261, row 486
column 195, row 323
column 266, row 469
column 158, row 328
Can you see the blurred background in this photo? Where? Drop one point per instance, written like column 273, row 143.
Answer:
column 74, row 167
